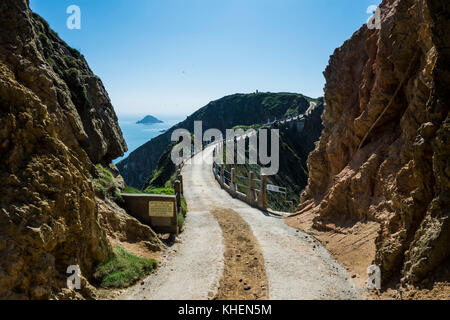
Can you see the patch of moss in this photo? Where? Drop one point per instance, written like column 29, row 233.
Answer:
column 51, row 62
column 72, row 73
column 123, row 269
column 85, row 95
column 70, row 61
column 44, row 38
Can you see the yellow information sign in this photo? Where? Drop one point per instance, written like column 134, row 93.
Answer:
column 161, row 209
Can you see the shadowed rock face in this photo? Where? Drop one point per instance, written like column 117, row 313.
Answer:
column 56, row 120
column 384, row 153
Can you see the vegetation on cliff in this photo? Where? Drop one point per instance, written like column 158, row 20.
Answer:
column 105, row 184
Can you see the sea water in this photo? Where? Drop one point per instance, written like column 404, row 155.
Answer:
column 138, row 134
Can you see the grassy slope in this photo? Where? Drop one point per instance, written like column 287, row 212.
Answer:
column 123, row 269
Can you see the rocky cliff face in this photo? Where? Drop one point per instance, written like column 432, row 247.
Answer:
column 56, row 120
column 384, row 154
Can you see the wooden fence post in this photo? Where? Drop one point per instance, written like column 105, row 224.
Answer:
column 177, row 187
column 180, row 178
column 233, row 180
column 262, row 200
column 251, row 193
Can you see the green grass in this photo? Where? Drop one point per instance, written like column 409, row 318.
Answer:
column 184, row 206
column 169, row 182
column 85, row 94
column 123, row 269
column 131, row 190
column 245, row 128
column 150, row 190
column 180, row 220
column 163, row 191
column 72, row 73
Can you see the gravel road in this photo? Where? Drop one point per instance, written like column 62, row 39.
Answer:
column 297, row 267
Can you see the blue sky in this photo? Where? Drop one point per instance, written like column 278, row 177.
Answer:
column 171, row 57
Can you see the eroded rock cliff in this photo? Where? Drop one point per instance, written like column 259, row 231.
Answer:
column 384, row 154
column 56, row 120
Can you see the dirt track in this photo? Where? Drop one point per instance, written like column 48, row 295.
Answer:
column 244, row 275
column 294, row 265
